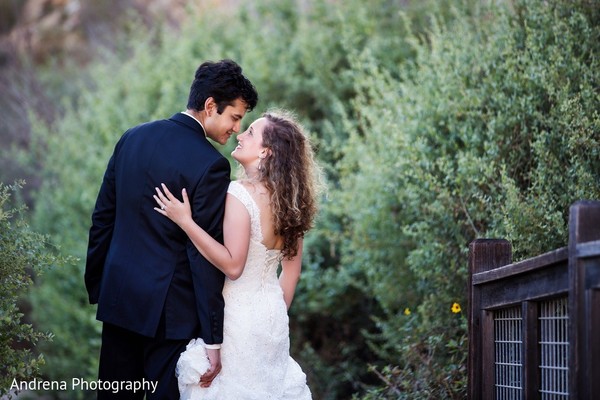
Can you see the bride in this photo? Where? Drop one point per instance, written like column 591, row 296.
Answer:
column 267, row 212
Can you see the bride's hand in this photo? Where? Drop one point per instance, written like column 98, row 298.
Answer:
column 169, row 206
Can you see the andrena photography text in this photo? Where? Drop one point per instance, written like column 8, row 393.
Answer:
column 80, row 384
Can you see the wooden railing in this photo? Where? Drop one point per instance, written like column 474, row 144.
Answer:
column 534, row 325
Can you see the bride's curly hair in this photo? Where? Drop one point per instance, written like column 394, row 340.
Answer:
column 292, row 177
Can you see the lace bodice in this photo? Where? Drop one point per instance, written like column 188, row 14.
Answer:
column 261, row 265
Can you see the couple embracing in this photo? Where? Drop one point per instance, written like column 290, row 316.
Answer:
column 183, row 263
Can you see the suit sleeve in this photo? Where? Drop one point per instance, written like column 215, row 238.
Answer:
column 208, row 207
column 101, row 231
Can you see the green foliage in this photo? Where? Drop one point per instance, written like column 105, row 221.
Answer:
column 493, row 132
column 23, row 253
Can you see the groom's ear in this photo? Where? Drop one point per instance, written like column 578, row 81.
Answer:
column 210, row 106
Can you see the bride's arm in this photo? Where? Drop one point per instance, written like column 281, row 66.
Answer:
column 229, row 257
column 290, row 274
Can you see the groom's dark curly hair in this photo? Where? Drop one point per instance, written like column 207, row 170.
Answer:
column 223, row 81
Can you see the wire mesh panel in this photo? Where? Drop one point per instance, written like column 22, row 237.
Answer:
column 508, row 344
column 554, row 349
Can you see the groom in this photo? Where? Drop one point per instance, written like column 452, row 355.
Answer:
column 154, row 290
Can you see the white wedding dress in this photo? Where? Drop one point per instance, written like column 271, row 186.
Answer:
column 255, row 350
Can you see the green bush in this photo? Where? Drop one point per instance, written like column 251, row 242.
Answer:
column 492, row 131
column 23, row 255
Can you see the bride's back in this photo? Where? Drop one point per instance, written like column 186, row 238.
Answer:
column 261, row 197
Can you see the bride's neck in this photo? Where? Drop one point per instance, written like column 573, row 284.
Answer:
column 252, row 174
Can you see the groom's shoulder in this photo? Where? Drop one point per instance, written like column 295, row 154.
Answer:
column 158, row 125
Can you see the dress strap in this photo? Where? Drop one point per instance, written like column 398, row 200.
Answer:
column 240, row 192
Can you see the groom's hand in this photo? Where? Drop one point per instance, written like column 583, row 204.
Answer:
column 214, row 356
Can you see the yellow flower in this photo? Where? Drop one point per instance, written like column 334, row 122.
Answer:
column 456, row 308
column 407, row 311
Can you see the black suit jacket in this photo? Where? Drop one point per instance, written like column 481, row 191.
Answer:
column 140, row 265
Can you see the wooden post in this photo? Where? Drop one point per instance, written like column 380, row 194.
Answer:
column 484, row 255
column 531, row 353
column 584, row 226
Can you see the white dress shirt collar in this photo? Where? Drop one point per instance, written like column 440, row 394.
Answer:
column 190, row 115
